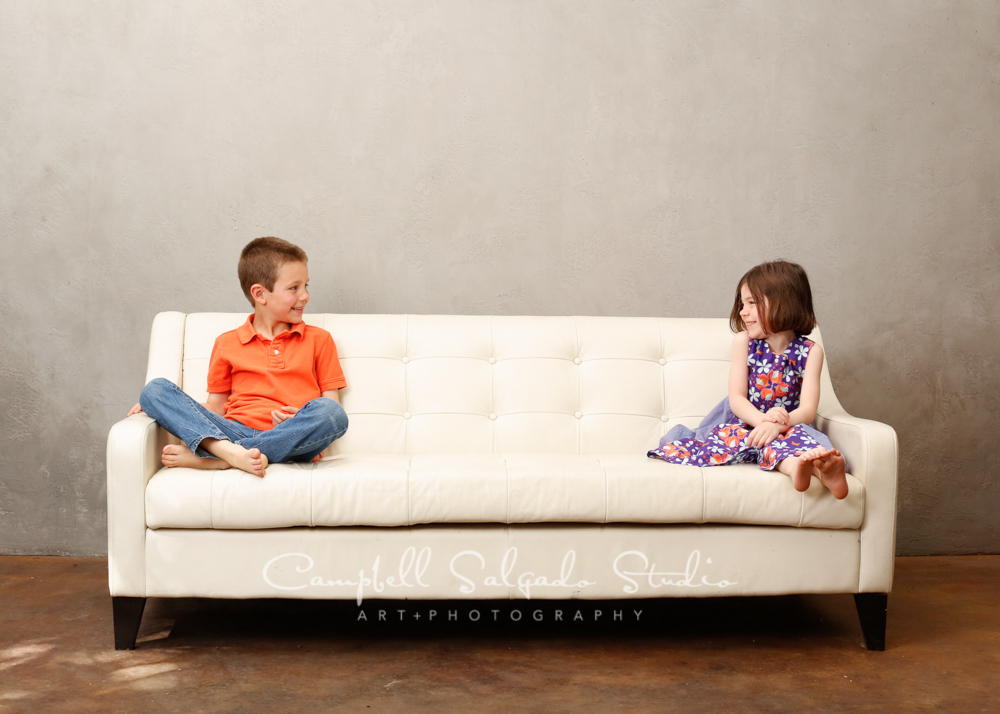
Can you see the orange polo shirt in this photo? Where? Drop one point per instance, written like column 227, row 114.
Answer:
column 262, row 375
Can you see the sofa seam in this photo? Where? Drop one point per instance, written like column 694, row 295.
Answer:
column 864, row 495
column 579, row 389
column 480, row 414
column 211, row 500
column 864, row 514
column 895, row 509
column 607, row 490
column 142, row 463
column 704, row 510
column 111, row 515
column 145, row 529
column 493, row 386
column 532, row 357
column 406, row 400
column 506, row 473
column 864, row 504
column 506, row 529
column 663, row 381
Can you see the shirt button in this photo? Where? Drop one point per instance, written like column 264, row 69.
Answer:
column 277, row 352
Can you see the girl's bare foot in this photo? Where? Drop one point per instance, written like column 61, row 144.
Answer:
column 249, row 460
column 181, row 456
column 802, row 471
column 832, row 473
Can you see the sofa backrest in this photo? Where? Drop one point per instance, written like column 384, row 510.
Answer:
column 471, row 384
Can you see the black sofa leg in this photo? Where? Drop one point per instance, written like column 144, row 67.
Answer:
column 127, row 615
column 871, row 612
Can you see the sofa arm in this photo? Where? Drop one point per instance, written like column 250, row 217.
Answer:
column 872, row 450
column 134, row 448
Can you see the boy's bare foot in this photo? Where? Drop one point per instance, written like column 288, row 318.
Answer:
column 832, row 473
column 249, row 460
column 252, row 461
column 180, row 456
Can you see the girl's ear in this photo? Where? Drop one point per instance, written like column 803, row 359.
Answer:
column 257, row 292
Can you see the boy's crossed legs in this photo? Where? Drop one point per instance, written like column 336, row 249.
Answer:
column 301, row 438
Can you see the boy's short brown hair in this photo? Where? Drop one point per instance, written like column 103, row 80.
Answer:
column 783, row 296
column 261, row 260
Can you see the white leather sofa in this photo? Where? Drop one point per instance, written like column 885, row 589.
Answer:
column 497, row 457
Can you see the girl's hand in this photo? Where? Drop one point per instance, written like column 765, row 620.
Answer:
column 283, row 414
column 778, row 415
column 764, row 434
column 134, row 410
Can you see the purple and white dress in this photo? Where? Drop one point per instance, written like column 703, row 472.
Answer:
column 721, row 438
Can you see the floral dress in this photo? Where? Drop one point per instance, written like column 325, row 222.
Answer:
column 774, row 381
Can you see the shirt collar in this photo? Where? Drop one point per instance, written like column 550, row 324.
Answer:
column 247, row 331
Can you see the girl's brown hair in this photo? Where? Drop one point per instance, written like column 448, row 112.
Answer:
column 783, row 296
column 261, row 260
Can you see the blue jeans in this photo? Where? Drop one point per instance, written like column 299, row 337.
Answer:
column 301, row 438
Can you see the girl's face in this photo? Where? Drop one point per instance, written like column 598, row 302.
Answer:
column 750, row 316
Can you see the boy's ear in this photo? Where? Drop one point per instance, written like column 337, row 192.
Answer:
column 257, row 292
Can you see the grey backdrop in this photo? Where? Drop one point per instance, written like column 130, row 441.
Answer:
column 508, row 157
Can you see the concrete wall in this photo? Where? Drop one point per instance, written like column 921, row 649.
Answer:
column 471, row 156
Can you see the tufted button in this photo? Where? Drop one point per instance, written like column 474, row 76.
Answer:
column 493, row 416
column 406, row 415
column 578, row 415
column 493, row 360
column 662, row 360
column 406, row 360
column 577, row 360
column 664, row 418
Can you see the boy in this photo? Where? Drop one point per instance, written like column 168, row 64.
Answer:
column 273, row 382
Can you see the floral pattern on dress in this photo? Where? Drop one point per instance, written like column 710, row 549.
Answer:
column 773, row 381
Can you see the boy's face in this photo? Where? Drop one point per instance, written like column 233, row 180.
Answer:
column 287, row 301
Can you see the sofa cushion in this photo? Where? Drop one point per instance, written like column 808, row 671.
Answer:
column 396, row 490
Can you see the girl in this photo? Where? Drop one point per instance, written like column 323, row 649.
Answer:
column 773, row 388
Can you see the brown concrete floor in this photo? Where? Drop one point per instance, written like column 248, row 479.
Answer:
column 774, row 654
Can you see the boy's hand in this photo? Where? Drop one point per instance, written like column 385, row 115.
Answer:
column 764, row 434
column 134, row 410
column 778, row 415
column 280, row 415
